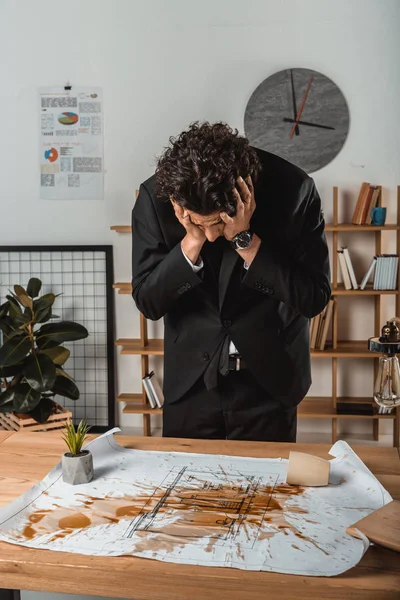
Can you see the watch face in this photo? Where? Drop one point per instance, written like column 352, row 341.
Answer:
column 300, row 115
column 243, row 239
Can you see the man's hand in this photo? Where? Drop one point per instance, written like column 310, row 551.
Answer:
column 194, row 239
column 245, row 207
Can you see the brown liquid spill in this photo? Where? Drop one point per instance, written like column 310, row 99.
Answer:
column 204, row 510
column 29, row 532
column 38, row 516
column 76, row 521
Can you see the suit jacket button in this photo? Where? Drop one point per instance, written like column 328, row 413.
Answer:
column 206, row 356
column 227, row 323
column 257, row 285
column 188, row 286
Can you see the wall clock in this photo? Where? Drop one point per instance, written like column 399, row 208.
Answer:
column 300, row 115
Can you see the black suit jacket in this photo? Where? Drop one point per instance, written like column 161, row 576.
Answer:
column 264, row 310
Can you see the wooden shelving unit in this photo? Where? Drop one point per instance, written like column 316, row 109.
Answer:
column 311, row 407
column 354, row 349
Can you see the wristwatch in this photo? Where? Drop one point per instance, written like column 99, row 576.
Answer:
column 242, row 240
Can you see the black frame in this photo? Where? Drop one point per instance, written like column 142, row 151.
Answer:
column 109, row 256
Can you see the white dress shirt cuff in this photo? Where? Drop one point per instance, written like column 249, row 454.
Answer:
column 199, row 263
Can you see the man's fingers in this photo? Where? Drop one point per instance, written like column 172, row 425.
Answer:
column 245, row 193
column 225, row 217
column 249, row 183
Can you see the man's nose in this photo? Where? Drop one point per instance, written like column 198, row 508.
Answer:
column 212, row 234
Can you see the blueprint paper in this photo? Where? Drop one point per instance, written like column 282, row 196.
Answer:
column 200, row 509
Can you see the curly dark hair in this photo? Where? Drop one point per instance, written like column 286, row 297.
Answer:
column 200, row 167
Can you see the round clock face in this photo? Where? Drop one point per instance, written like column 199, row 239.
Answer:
column 300, row 115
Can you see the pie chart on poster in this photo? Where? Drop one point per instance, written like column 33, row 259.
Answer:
column 51, row 155
column 68, row 118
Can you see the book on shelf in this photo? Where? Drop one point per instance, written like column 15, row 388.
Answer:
column 149, row 392
column 153, row 390
column 350, row 268
column 386, row 272
column 344, row 270
column 319, row 327
column 368, row 198
column 368, row 273
column 354, row 408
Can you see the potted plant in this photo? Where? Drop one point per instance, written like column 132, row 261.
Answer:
column 77, row 464
column 32, row 357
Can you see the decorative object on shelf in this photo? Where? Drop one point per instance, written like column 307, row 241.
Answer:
column 378, row 215
column 31, row 357
column 77, row 464
column 300, row 115
column 81, row 276
column 387, row 383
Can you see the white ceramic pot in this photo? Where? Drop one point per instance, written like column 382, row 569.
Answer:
column 77, row 468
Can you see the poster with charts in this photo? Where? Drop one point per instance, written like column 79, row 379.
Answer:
column 71, row 143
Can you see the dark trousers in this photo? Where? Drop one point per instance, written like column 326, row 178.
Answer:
column 238, row 409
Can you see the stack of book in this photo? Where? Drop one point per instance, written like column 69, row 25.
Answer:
column 319, row 327
column 154, row 391
column 386, row 269
column 368, row 198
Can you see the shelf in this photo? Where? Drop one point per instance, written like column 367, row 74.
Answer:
column 143, row 409
column 322, row 408
column 346, row 349
column 123, row 287
column 351, row 227
column 121, row 228
column 136, row 406
column 368, row 291
column 135, row 346
column 311, row 407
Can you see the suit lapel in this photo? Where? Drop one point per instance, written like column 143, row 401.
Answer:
column 229, row 261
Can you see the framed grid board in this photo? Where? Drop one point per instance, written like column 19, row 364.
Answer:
column 83, row 275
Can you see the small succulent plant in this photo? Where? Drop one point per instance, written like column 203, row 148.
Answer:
column 75, row 438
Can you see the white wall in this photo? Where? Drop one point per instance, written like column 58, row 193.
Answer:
column 165, row 64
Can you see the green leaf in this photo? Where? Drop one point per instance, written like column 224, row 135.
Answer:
column 34, row 287
column 65, row 387
column 62, row 331
column 14, row 309
column 58, row 354
column 43, row 410
column 44, row 315
column 4, row 309
column 23, row 296
column 24, row 397
column 12, row 370
column 41, row 307
column 40, row 372
column 6, row 325
column 14, row 350
column 6, row 400
column 63, row 373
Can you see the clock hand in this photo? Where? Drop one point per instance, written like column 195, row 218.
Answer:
column 294, row 100
column 286, row 120
column 301, row 107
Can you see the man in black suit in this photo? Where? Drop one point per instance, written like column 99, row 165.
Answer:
column 229, row 247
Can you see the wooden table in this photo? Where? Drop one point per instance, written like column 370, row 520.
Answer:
column 26, row 457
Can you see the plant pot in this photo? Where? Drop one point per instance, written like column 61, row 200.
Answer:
column 77, row 468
